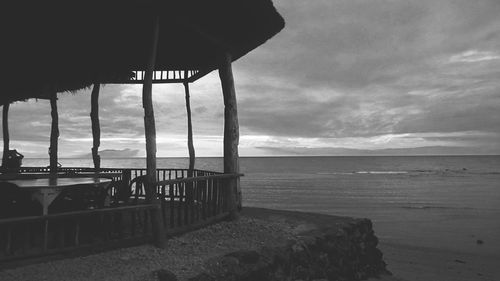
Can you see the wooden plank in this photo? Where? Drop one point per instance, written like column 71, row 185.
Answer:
column 198, row 200
column 77, row 233
column 133, row 222
column 231, row 134
column 54, row 134
column 186, row 203
column 219, row 196
column 75, row 214
column 214, row 197
column 215, row 176
column 145, row 223
column 192, row 201
column 203, row 187
column 60, row 235
column 163, row 197
column 96, row 130
column 53, row 254
column 45, row 236
column 172, row 207
column 210, row 186
column 5, row 129
column 179, row 203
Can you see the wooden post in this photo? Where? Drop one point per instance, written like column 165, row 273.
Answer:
column 6, row 138
column 231, row 133
column 96, row 130
column 189, row 185
column 192, row 158
column 54, row 134
column 150, row 133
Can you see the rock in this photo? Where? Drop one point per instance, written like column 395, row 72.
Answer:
column 166, row 275
column 346, row 252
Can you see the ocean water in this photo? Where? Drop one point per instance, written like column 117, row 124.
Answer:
column 443, row 202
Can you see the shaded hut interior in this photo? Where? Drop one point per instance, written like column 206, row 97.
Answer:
column 56, row 46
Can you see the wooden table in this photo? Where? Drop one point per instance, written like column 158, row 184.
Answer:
column 45, row 190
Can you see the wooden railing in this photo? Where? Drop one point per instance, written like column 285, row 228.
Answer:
column 162, row 174
column 185, row 203
column 193, row 202
column 67, row 232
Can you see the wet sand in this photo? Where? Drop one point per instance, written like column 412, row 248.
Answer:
column 413, row 263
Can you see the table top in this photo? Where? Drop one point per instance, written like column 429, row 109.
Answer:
column 58, row 182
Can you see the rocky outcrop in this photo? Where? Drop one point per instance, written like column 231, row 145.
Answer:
column 338, row 252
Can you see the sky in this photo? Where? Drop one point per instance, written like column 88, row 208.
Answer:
column 344, row 77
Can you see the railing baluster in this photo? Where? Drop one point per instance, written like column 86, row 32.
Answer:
column 199, row 199
column 77, row 233
column 45, row 235
column 214, row 198
column 133, row 222
column 62, row 235
column 186, row 203
column 179, row 205
column 204, row 199
column 172, row 207
column 192, row 201
column 163, row 197
column 217, row 201
column 146, row 224
column 210, row 197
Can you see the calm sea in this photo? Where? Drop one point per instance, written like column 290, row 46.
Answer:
column 446, row 202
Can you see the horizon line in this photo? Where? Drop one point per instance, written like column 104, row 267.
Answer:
column 277, row 156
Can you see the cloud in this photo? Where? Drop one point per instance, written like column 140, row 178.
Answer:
column 368, row 68
column 475, row 56
column 357, row 75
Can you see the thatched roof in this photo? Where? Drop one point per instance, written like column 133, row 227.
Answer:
column 65, row 45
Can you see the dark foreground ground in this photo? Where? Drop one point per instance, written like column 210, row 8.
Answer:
column 189, row 254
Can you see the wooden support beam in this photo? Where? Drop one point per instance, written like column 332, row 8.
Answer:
column 192, row 157
column 231, row 134
column 96, row 130
column 6, row 138
column 150, row 133
column 54, row 134
column 197, row 75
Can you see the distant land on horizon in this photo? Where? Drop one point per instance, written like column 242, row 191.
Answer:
column 308, row 152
